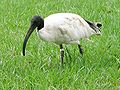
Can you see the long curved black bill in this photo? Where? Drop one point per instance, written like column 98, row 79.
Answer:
column 31, row 29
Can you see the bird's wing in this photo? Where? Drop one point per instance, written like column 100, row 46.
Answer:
column 73, row 27
column 64, row 28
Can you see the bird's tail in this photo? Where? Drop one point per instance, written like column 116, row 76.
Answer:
column 95, row 26
column 98, row 24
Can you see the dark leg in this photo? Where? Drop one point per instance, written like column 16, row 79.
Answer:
column 61, row 54
column 80, row 49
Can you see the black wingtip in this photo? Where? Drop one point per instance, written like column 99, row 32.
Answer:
column 99, row 25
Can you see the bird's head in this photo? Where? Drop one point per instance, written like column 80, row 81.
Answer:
column 36, row 22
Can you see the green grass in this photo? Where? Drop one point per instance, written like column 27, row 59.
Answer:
column 98, row 69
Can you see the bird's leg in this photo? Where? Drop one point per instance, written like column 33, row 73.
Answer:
column 80, row 49
column 61, row 54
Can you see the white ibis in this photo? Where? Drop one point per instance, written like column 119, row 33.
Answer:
column 62, row 28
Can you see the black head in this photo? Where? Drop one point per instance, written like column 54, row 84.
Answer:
column 36, row 21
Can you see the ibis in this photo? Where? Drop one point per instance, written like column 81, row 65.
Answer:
column 62, row 28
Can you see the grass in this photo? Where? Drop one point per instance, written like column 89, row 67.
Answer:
column 98, row 69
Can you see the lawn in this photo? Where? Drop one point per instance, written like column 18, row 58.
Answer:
column 98, row 69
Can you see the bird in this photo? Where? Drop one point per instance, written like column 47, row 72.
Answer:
column 62, row 28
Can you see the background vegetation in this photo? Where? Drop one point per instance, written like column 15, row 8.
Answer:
column 98, row 69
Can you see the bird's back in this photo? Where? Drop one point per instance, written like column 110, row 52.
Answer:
column 60, row 18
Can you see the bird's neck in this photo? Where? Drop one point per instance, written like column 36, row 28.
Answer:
column 43, row 34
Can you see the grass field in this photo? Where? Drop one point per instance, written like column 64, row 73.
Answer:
column 98, row 69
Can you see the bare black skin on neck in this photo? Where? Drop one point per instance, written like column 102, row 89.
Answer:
column 36, row 22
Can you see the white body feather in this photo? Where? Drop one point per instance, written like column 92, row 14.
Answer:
column 65, row 28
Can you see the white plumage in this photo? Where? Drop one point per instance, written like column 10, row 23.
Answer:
column 62, row 28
